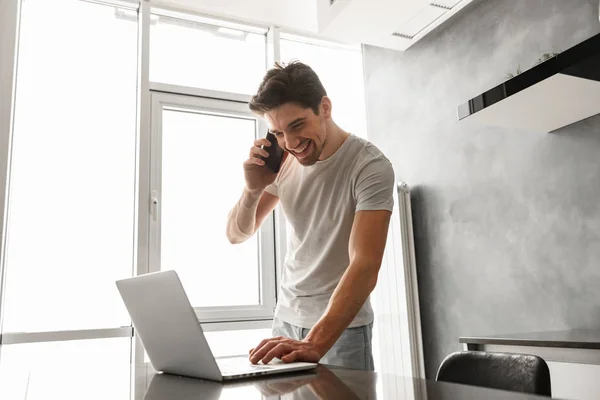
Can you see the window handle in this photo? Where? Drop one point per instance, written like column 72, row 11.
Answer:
column 154, row 206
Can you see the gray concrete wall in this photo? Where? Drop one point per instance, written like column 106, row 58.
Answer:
column 507, row 222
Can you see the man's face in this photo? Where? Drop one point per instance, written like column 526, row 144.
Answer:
column 299, row 130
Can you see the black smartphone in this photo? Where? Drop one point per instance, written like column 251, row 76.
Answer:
column 273, row 161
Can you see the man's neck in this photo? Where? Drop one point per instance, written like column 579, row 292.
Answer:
column 336, row 136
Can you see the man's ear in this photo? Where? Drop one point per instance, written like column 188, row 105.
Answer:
column 326, row 107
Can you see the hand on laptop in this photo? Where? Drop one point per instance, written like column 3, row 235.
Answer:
column 287, row 350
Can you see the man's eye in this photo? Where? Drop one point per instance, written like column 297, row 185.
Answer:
column 296, row 127
column 278, row 134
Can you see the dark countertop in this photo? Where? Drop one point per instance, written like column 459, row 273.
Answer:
column 322, row 383
column 572, row 339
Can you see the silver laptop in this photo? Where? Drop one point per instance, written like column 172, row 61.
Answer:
column 167, row 325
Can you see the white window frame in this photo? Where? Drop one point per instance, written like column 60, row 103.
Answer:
column 9, row 45
column 211, row 103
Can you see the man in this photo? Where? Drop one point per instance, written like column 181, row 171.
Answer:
column 335, row 191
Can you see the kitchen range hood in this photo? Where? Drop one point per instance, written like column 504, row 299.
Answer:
column 558, row 92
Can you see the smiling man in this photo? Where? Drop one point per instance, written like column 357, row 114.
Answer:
column 335, row 191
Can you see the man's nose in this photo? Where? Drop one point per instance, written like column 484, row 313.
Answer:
column 290, row 142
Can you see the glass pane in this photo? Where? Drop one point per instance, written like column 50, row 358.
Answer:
column 71, row 370
column 202, row 178
column 189, row 53
column 341, row 72
column 71, row 204
column 235, row 343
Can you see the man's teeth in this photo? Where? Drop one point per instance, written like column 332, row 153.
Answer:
column 301, row 149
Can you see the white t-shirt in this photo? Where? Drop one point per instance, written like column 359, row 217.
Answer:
column 319, row 202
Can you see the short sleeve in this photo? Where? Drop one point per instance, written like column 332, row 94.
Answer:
column 375, row 185
column 272, row 189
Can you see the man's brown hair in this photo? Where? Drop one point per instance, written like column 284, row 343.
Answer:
column 292, row 83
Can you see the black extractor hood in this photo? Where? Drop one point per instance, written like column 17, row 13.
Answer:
column 558, row 92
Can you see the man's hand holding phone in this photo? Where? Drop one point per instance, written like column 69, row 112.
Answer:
column 261, row 167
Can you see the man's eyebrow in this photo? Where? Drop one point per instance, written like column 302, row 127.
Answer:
column 294, row 122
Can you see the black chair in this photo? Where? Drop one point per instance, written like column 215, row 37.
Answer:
column 515, row 372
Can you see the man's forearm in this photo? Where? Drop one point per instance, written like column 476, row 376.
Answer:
column 354, row 288
column 241, row 221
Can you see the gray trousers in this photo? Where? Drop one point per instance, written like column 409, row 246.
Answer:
column 352, row 349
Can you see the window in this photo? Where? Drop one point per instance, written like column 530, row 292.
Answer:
column 341, row 72
column 72, row 183
column 206, row 56
column 199, row 146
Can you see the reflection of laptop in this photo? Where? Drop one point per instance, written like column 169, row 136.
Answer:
column 172, row 336
column 171, row 387
column 165, row 386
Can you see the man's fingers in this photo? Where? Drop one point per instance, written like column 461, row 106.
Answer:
column 260, row 345
column 277, row 351
column 257, row 151
column 264, row 347
column 262, row 142
column 265, row 341
column 293, row 356
column 260, row 353
column 253, row 161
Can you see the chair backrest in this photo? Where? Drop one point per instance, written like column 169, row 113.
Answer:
column 506, row 371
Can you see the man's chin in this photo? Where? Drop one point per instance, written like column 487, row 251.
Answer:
column 310, row 160
column 307, row 161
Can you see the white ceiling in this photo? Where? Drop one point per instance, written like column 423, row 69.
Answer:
column 395, row 24
column 298, row 15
